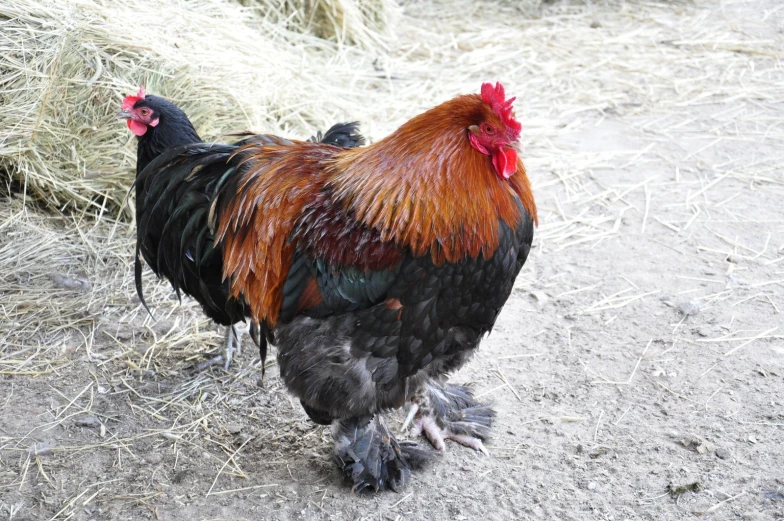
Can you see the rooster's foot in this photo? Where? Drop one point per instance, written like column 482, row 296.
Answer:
column 449, row 412
column 437, row 436
column 371, row 457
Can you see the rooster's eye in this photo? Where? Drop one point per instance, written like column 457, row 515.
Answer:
column 489, row 130
column 145, row 112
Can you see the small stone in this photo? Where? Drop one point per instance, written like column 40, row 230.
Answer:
column 723, row 454
column 690, row 307
column 703, row 331
column 677, row 489
column 234, row 427
column 596, row 24
column 752, row 439
column 540, row 297
column 736, row 281
column 88, row 421
column 598, row 452
column 695, row 443
column 78, row 283
column 153, row 458
column 42, row 448
column 592, row 485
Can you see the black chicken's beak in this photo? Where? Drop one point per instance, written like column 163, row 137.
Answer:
column 124, row 114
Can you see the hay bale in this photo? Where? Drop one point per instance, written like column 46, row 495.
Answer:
column 64, row 67
column 367, row 23
column 529, row 8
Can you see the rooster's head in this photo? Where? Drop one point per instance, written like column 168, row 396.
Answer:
column 496, row 131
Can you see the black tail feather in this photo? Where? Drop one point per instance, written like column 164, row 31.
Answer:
column 137, row 275
column 344, row 135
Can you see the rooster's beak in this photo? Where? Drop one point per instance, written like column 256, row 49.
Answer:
column 474, row 129
column 124, row 114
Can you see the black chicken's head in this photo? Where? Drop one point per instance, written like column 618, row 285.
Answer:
column 158, row 123
column 140, row 113
column 144, row 112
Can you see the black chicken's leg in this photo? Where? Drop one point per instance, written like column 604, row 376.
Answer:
column 233, row 341
column 371, row 457
column 449, row 412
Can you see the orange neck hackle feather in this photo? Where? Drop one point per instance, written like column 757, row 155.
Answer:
column 256, row 222
column 426, row 188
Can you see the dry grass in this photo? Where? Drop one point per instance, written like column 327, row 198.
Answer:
column 367, row 23
column 66, row 65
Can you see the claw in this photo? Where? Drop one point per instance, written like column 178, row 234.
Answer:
column 438, row 436
column 450, row 413
column 469, row 441
column 207, row 363
column 434, row 433
column 410, row 417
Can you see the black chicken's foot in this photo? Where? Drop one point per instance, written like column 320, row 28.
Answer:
column 371, row 457
column 233, row 342
column 215, row 360
column 449, row 412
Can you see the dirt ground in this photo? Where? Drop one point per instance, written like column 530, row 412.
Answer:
column 637, row 370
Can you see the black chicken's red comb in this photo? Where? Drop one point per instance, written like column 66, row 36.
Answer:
column 496, row 98
column 130, row 101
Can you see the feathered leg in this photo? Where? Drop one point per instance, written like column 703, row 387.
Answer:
column 371, row 457
column 449, row 412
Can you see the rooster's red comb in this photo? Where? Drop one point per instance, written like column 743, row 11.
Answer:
column 495, row 97
column 130, row 101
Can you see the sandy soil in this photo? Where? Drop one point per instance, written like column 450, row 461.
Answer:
column 637, row 370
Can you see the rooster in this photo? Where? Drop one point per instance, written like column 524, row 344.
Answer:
column 172, row 235
column 376, row 270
